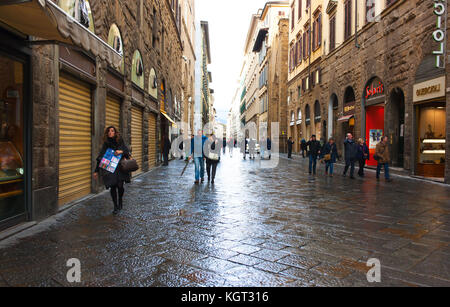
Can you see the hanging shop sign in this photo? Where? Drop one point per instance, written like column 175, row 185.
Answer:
column 349, row 108
column 430, row 89
column 374, row 89
column 439, row 35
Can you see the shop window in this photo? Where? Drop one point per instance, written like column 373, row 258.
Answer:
column 307, row 115
column 432, row 121
column 153, row 84
column 137, row 70
column 317, row 115
column 12, row 201
column 80, row 10
column 115, row 41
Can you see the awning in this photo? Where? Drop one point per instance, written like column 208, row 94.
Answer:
column 259, row 39
column 168, row 118
column 46, row 20
column 345, row 118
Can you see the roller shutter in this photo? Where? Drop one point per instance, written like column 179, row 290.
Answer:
column 112, row 112
column 151, row 140
column 75, row 158
column 136, row 137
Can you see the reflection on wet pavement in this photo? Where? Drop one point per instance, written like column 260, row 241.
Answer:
column 254, row 227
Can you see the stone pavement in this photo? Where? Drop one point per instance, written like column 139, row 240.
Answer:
column 254, row 227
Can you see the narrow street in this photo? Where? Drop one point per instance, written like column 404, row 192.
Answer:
column 254, row 227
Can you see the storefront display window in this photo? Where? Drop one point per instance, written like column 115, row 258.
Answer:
column 12, row 202
column 432, row 121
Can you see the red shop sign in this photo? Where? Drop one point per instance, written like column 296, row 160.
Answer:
column 374, row 89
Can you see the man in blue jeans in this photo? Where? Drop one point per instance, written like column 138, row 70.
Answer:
column 383, row 157
column 197, row 153
column 314, row 151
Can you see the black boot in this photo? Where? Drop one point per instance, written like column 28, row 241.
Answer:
column 114, row 199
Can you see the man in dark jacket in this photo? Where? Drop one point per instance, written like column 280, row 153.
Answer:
column 166, row 150
column 269, row 147
column 290, row 142
column 314, row 151
column 351, row 152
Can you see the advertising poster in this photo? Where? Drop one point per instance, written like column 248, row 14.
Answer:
column 110, row 161
column 375, row 137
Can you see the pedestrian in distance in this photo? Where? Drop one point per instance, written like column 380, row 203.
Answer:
column 314, row 151
column 290, row 142
column 269, row 147
column 244, row 146
column 252, row 148
column 224, row 144
column 262, row 147
column 362, row 156
column 212, row 158
column 382, row 156
column 329, row 154
column 351, row 151
column 197, row 153
column 230, row 146
column 303, row 148
column 166, row 150
column 114, row 181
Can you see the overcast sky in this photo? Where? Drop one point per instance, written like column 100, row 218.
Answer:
column 228, row 25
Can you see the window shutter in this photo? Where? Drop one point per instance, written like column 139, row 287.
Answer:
column 299, row 9
column 304, row 45
column 301, row 48
column 320, row 29
column 314, row 35
column 320, row 75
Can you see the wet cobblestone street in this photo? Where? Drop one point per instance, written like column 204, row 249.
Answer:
column 254, row 227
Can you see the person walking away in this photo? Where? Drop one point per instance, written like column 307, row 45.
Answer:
column 269, row 147
column 351, row 151
column 197, row 154
column 114, row 181
column 383, row 158
column 362, row 156
column 330, row 154
column 303, row 147
column 230, row 147
column 251, row 148
column 262, row 147
column 290, row 142
column 244, row 147
column 166, row 150
column 224, row 145
column 314, row 151
column 212, row 159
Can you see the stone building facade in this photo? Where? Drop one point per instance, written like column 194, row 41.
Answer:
column 381, row 80
column 72, row 94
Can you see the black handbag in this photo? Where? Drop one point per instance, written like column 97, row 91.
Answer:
column 128, row 166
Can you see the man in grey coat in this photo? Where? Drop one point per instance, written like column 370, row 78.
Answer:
column 351, row 152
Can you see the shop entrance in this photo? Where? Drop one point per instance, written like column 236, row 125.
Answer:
column 431, row 133
column 13, row 162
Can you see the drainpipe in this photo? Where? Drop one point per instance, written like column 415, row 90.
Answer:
column 356, row 25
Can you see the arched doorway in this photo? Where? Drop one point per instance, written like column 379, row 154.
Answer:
column 374, row 101
column 348, row 119
column 332, row 116
column 317, row 120
column 308, row 122
column 395, row 122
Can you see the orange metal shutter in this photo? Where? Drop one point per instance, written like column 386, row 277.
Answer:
column 136, row 137
column 151, row 140
column 74, row 140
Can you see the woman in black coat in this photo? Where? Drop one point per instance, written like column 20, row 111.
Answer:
column 212, row 163
column 114, row 181
column 362, row 155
